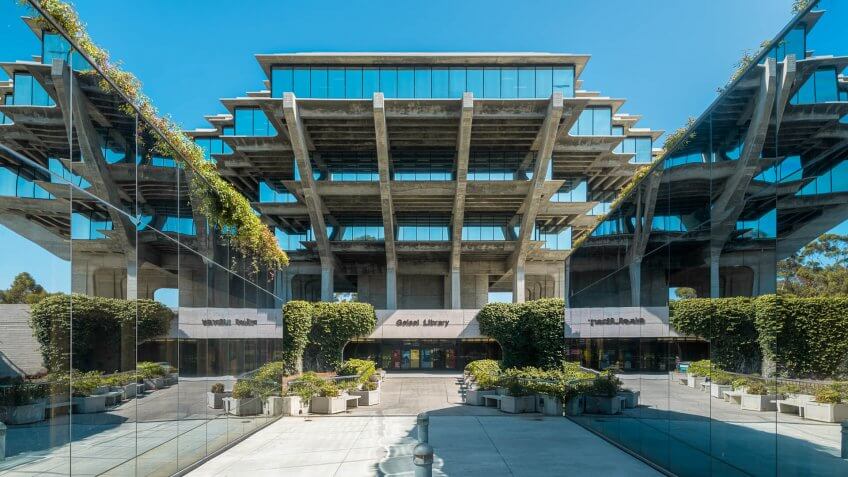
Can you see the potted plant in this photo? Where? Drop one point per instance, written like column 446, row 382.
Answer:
column 602, row 397
column 243, row 400
column 719, row 383
column 697, row 373
column 84, row 400
column 22, row 403
column 215, row 396
column 369, row 395
column 829, row 406
column 517, row 398
column 484, row 376
column 329, row 399
column 758, row 398
column 152, row 374
column 549, row 397
column 299, row 394
column 170, row 375
column 630, row 398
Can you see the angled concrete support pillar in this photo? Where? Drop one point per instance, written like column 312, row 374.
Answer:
column 327, row 282
column 391, row 288
column 635, row 269
column 567, row 283
column 518, row 287
column 456, row 289
column 715, row 290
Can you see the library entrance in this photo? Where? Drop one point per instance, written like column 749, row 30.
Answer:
column 422, row 354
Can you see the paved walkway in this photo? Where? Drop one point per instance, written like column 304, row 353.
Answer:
column 468, row 440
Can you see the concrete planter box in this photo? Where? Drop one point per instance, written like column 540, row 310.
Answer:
column 694, row 381
column 273, row 406
column 293, row 406
column 474, row 397
column 367, row 398
column 717, row 390
column 826, row 412
column 243, row 407
column 328, row 405
column 216, row 400
column 575, row 406
column 549, row 405
column 26, row 414
column 603, row 405
column 518, row 404
column 132, row 390
column 757, row 402
column 171, row 379
column 154, row 383
column 631, row 398
column 89, row 404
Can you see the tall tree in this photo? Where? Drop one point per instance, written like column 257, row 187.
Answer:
column 24, row 289
column 819, row 268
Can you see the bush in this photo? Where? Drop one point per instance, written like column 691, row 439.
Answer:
column 272, row 372
column 243, row 389
column 97, row 326
column 605, row 385
column 333, row 325
column 828, row 395
column 150, row 370
column 739, row 383
column 306, row 386
column 370, row 386
column 530, row 333
column 720, row 377
column 328, row 389
column 217, row 388
column 700, row 368
column 22, row 393
column 757, row 387
column 363, row 368
column 84, row 383
column 297, row 321
column 485, row 373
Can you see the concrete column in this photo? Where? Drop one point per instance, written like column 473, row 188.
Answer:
column 327, row 283
column 715, row 290
column 455, row 290
column 391, row 288
column 567, row 283
column 518, row 287
column 635, row 282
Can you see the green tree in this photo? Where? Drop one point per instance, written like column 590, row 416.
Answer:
column 24, row 289
column 685, row 293
column 819, row 268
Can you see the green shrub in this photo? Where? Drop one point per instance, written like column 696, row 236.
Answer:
column 720, row 377
column 757, row 387
column 297, row 321
column 828, row 395
column 700, row 368
column 217, row 388
column 605, row 385
column 328, row 389
column 272, row 372
column 363, row 368
column 485, row 373
column 84, row 383
column 370, row 386
column 243, row 389
column 333, row 325
column 22, row 393
column 97, row 326
column 306, row 386
column 150, row 370
column 739, row 383
column 530, row 333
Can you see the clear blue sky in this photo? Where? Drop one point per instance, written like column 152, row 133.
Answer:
column 666, row 57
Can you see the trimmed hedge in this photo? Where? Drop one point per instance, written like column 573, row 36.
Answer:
column 97, row 326
column 333, row 325
column 297, row 321
column 530, row 333
column 803, row 337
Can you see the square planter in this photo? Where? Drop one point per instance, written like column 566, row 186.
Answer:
column 694, row 381
column 26, row 414
column 826, row 412
column 292, row 406
column 474, row 397
column 549, row 405
column 154, row 383
column 132, row 390
column 631, row 398
column 603, row 405
column 216, row 400
column 367, row 398
column 273, row 406
column 328, row 405
column 756, row 402
column 518, row 404
column 243, row 407
column 89, row 404
column 575, row 406
column 717, row 390
column 171, row 379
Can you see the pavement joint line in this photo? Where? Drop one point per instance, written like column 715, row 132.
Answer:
column 508, row 468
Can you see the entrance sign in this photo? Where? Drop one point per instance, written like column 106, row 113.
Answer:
column 426, row 324
column 618, row 322
column 219, row 323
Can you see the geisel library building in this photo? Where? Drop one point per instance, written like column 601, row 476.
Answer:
column 426, row 183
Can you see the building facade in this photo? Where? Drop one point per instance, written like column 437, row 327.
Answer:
column 425, row 184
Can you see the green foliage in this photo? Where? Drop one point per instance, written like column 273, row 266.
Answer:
column 757, row 387
column 243, row 389
column 805, row 337
column 333, row 325
column 605, row 385
column 84, row 383
column 23, row 289
column 739, row 383
column 720, row 377
column 685, row 293
column 363, row 368
column 728, row 323
column 328, row 388
column 150, row 370
column 820, row 268
column 799, row 5
column 306, row 386
column 675, row 138
column 22, row 393
column 530, row 333
column 828, row 395
column 97, row 326
column 217, row 388
column 272, row 372
column 485, row 373
column 370, row 386
column 297, row 321
column 222, row 205
column 701, row 368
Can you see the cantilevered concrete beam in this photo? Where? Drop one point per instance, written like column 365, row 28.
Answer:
column 550, row 128
column 463, row 149
column 383, row 160
column 728, row 206
column 784, row 87
column 294, row 126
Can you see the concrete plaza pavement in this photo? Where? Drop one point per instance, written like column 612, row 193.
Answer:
column 468, row 440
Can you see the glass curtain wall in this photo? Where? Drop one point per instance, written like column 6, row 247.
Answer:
column 119, row 303
column 731, row 255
